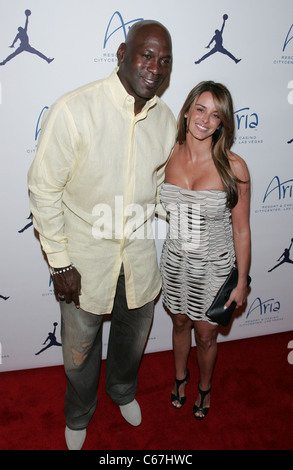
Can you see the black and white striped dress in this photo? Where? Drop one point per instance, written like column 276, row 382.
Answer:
column 198, row 252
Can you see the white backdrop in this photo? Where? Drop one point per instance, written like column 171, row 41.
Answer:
column 82, row 37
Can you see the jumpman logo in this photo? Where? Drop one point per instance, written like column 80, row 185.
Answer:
column 218, row 38
column 286, row 257
column 4, row 297
column 27, row 225
column 22, row 36
column 52, row 338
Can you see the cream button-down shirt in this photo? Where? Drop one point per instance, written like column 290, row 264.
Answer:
column 94, row 185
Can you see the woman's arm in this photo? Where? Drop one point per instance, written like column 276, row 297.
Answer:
column 241, row 229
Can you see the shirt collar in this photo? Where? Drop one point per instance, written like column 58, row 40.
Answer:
column 123, row 99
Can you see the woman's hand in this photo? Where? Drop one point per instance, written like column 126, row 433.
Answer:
column 238, row 295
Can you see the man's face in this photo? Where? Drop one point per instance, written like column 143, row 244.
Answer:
column 144, row 63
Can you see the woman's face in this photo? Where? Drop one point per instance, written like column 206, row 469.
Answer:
column 203, row 118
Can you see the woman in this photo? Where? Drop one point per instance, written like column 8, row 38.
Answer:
column 207, row 195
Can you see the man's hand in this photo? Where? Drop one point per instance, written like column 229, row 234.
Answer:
column 67, row 284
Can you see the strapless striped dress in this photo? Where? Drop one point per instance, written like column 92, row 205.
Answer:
column 198, row 252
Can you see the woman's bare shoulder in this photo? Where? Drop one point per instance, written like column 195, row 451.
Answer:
column 238, row 166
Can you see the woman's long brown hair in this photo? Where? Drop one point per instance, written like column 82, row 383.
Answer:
column 222, row 138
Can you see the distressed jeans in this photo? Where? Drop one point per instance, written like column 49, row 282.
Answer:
column 81, row 334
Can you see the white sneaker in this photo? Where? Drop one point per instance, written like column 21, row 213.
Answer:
column 131, row 413
column 75, row 438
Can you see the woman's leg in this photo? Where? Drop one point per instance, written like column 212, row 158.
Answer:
column 181, row 349
column 206, row 342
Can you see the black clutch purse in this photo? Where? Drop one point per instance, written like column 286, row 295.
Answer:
column 216, row 312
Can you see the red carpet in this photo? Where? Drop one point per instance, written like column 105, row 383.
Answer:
column 251, row 407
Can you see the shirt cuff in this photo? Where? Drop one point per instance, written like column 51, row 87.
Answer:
column 59, row 260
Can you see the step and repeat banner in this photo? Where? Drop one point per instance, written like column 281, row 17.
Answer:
column 48, row 48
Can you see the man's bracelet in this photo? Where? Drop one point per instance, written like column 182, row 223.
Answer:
column 63, row 270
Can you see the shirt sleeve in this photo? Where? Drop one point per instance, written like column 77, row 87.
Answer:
column 47, row 177
column 159, row 210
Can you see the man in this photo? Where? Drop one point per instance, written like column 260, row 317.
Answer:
column 93, row 185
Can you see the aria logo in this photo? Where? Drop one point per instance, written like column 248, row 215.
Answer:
column 263, row 307
column 289, row 37
column 245, row 119
column 115, row 30
column 280, row 191
column 246, row 124
column 217, row 39
column 287, row 51
column 290, row 100
column 37, row 131
column 109, row 32
column 263, row 311
column 278, row 196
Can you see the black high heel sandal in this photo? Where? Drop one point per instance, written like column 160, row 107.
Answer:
column 174, row 397
column 200, row 408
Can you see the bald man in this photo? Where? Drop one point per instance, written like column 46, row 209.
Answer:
column 94, row 185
